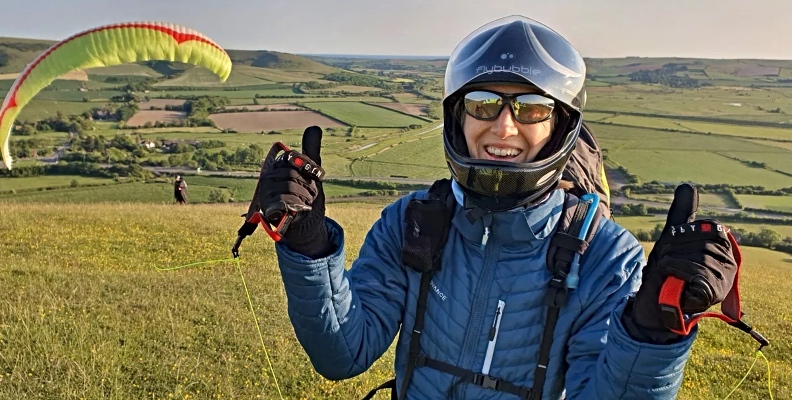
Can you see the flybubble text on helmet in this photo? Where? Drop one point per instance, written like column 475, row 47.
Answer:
column 513, row 50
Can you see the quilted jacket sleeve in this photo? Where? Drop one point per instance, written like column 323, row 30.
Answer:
column 346, row 319
column 604, row 361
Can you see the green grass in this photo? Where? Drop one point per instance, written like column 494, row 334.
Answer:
column 780, row 160
column 36, row 182
column 675, row 157
column 158, row 192
column 160, row 92
column 77, row 96
column 647, row 223
column 41, row 109
column 705, row 199
column 123, row 69
column 778, row 203
column 202, row 77
column 276, row 75
column 738, row 130
column 711, row 102
column 359, row 114
column 90, row 317
column 416, row 159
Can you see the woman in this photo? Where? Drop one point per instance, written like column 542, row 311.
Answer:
column 514, row 93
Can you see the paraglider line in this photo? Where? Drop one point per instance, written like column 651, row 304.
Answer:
column 250, row 303
column 769, row 390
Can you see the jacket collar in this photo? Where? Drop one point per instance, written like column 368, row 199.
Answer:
column 514, row 228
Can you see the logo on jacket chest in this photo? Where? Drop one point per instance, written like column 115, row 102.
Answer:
column 437, row 290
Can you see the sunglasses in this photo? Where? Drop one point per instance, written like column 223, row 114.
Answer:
column 529, row 108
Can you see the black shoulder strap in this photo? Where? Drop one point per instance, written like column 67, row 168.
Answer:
column 427, row 223
column 426, row 226
column 567, row 246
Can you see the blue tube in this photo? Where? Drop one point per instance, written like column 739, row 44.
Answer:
column 573, row 278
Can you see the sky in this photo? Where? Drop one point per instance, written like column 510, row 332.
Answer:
column 597, row 28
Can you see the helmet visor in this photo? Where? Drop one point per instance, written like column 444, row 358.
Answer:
column 527, row 108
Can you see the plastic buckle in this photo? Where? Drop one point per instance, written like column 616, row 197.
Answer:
column 420, row 361
column 557, row 292
column 486, row 381
column 671, row 317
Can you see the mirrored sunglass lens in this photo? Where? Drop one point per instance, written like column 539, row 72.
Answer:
column 532, row 108
column 483, row 105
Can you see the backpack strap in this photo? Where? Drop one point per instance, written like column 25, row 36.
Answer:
column 427, row 223
column 391, row 384
column 576, row 228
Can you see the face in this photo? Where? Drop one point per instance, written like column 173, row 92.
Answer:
column 505, row 139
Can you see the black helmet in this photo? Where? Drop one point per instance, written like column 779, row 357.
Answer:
column 515, row 50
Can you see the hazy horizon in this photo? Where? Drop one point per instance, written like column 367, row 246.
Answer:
column 603, row 29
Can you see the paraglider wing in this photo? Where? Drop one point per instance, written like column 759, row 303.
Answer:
column 105, row 46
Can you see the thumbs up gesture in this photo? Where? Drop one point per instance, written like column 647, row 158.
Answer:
column 293, row 188
column 691, row 268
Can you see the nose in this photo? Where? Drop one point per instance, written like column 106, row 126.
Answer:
column 505, row 125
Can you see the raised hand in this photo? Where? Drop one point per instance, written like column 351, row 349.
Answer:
column 292, row 187
column 291, row 198
column 691, row 268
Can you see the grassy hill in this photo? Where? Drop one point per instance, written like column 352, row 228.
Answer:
column 15, row 53
column 86, row 314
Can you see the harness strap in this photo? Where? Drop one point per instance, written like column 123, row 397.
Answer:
column 415, row 338
column 485, row 381
column 564, row 245
column 391, row 384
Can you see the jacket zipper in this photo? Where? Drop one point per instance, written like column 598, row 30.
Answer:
column 493, row 337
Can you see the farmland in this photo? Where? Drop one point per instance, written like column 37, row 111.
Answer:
column 359, row 114
column 626, row 118
column 272, row 120
column 89, row 316
column 151, row 116
column 778, row 203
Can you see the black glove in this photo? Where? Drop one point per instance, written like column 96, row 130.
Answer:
column 699, row 254
column 295, row 187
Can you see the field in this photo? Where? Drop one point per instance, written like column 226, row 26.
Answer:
column 272, row 120
column 647, row 223
column 673, row 157
column 778, row 203
column 705, row 199
column 409, row 108
column 87, row 315
column 151, row 116
column 20, row 184
column 98, row 190
column 91, row 317
column 423, row 161
column 359, row 114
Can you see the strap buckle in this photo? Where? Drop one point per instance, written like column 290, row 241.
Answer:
column 557, row 292
column 420, row 361
column 486, row 381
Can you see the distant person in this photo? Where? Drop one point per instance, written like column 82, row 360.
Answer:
column 488, row 317
column 180, row 190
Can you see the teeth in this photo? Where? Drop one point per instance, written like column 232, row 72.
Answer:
column 497, row 151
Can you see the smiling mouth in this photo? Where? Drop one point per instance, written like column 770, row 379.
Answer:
column 502, row 153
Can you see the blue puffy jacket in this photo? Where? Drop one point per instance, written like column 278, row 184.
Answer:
column 346, row 319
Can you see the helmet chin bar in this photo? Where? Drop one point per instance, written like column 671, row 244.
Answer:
column 506, row 203
column 496, row 186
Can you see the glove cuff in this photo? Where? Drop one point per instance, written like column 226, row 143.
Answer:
column 309, row 237
column 653, row 333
